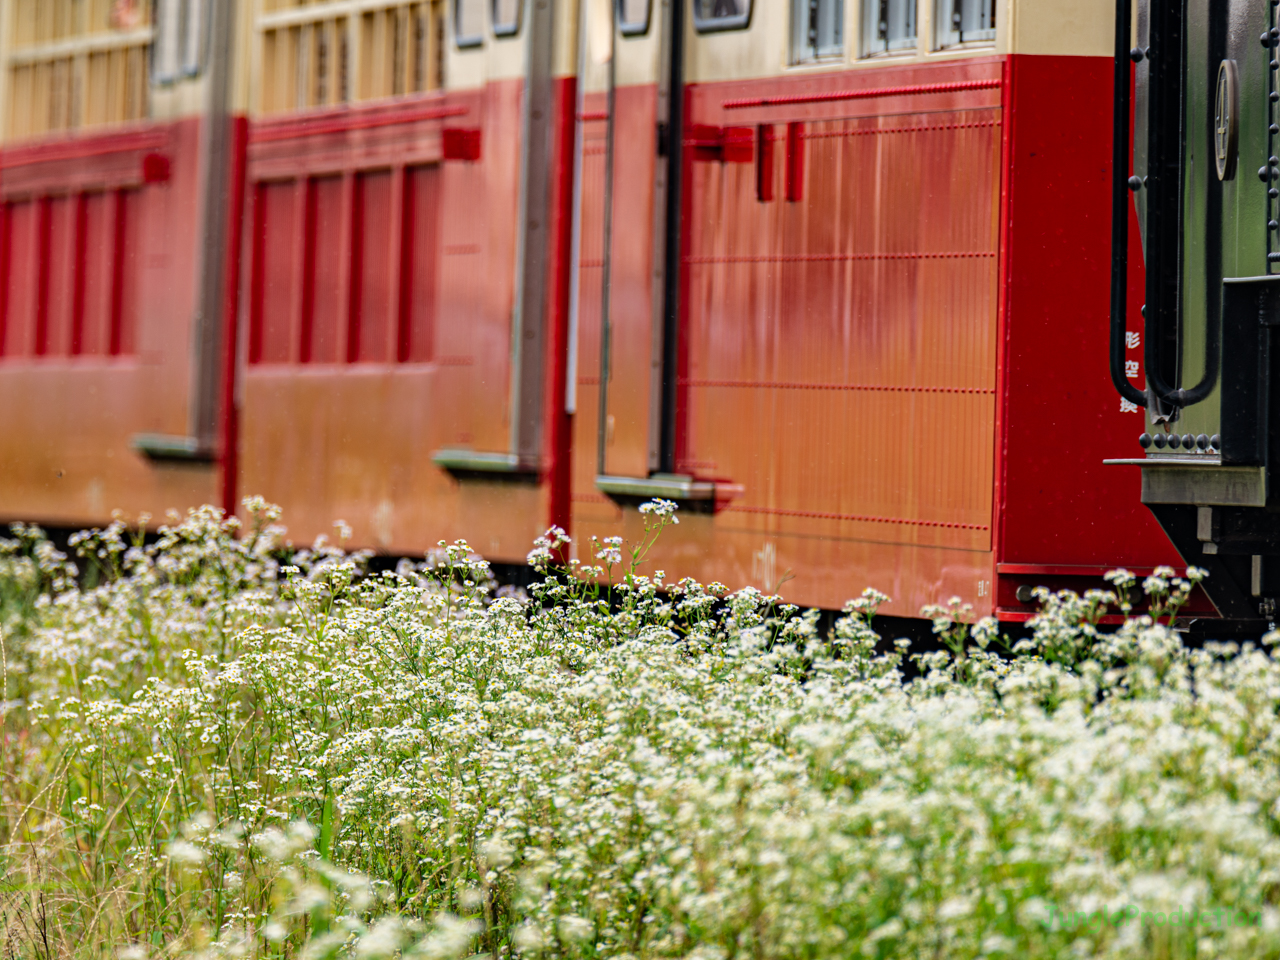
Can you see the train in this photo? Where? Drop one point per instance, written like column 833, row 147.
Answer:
column 838, row 277
column 1205, row 108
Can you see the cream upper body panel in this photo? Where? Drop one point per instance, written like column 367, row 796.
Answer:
column 74, row 66
column 764, row 48
column 499, row 57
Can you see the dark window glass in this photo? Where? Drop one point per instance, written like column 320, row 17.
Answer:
column 888, row 26
column 506, row 17
column 721, row 14
column 966, row 21
column 468, row 22
column 817, row 30
column 633, row 17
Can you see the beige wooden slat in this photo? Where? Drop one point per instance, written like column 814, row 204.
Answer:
column 75, row 63
column 323, row 52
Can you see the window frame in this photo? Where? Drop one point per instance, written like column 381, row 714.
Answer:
column 801, row 53
column 635, row 28
column 189, row 57
column 470, row 42
column 506, row 29
column 869, row 32
column 739, row 21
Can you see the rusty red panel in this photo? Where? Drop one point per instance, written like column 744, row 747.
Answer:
column 112, row 264
column 95, row 286
column 80, row 267
column 24, row 272
column 371, row 269
column 61, row 248
column 125, row 280
column 20, row 268
column 385, row 420
column 274, row 273
column 341, row 120
column 85, row 161
column 6, row 269
column 44, row 257
column 322, row 316
column 590, row 277
column 631, row 279
column 310, row 239
column 863, row 312
column 838, row 355
column 419, row 264
column 476, row 289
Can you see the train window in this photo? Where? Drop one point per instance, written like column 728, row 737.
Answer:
column 69, row 67
column 888, row 27
column 468, row 22
column 332, row 55
column 711, row 15
column 817, row 30
column 965, row 21
column 633, row 17
column 180, row 35
column 506, row 17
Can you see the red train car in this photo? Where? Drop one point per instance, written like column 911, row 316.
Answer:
column 831, row 275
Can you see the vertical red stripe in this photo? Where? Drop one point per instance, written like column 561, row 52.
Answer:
column 764, row 163
column 357, row 271
column 120, row 235
column 229, row 411
column 80, row 269
column 308, row 271
column 404, row 322
column 1002, row 318
column 44, row 235
column 258, row 263
column 683, row 293
column 6, row 271
column 559, row 423
column 795, row 161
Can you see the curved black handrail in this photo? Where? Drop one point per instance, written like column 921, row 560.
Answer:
column 1120, row 209
column 1166, row 76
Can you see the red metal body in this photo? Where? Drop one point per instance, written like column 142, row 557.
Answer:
column 892, row 352
column 98, row 259
column 894, row 334
column 380, row 302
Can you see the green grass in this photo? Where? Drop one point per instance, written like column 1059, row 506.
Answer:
column 215, row 744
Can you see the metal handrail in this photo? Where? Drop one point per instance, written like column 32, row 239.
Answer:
column 1120, row 208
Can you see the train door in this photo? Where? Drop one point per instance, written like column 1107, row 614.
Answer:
column 394, row 288
column 625, row 265
column 788, row 310
column 119, row 147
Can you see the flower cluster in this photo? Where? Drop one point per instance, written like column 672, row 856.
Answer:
column 222, row 745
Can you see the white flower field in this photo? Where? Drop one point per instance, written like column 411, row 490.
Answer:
column 214, row 745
